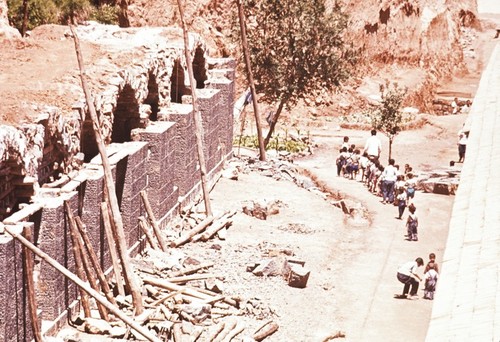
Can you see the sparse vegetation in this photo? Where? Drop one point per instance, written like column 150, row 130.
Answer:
column 105, row 14
column 297, row 47
column 388, row 118
column 42, row 12
column 280, row 142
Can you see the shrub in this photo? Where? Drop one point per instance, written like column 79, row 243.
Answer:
column 106, row 14
column 40, row 12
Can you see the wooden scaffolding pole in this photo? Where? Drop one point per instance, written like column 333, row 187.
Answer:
column 103, row 282
column 110, row 186
column 197, row 114
column 30, row 286
column 244, row 43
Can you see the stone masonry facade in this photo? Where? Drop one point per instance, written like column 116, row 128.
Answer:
column 155, row 151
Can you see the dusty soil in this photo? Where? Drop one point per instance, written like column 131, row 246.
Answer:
column 353, row 266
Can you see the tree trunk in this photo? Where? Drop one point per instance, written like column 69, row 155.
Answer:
column 123, row 15
column 244, row 43
column 390, row 148
column 25, row 17
column 197, row 115
column 274, row 121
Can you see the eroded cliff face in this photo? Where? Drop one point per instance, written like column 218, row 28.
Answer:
column 418, row 37
column 421, row 33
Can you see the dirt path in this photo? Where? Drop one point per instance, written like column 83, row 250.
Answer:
column 353, row 267
column 366, row 275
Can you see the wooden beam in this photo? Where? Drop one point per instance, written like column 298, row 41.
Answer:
column 85, row 260
column 78, row 261
column 152, row 220
column 110, row 186
column 95, row 261
column 115, row 259
column 30, row 286
column 197, row 115
column 144, row 226
column 246, row 54
column 85, row 286
column 196, row 230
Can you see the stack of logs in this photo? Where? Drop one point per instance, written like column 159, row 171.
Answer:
column 172, row 310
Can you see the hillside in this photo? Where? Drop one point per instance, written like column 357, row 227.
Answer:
column 417, row 43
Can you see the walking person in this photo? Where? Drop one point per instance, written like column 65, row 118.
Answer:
column 407, row 274
column 411, row 184
column 341, row 160
column 412, row 224
column 389, row 176
column 373, row 146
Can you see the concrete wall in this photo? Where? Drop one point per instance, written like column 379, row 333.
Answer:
column 161, row 159
column 467, row 301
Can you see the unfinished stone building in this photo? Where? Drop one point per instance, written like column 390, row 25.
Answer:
column 141, row 92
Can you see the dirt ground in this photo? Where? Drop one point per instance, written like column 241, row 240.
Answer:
column 353, row 264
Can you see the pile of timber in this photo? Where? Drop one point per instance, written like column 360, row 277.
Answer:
column 177, row 301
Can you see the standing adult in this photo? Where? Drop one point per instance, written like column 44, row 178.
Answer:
column 455, row 108
column 462, row 144
column 389, row 176
column 407, row 274
column 373, row 146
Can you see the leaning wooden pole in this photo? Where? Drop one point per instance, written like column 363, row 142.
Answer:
column 115, row 259
column 103, row 282
column 80, row 272
column 30, row 287
column 110, row 186
column 85, row 286
column 77, row 243
column 246, row 54
column 197, row 114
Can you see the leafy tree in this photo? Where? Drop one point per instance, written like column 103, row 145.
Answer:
column 388, row 117
column 40, row 12
column 71, row 9
column 297, row 48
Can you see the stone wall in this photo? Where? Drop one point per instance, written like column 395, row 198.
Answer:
column 467, row 301
column 156, row 152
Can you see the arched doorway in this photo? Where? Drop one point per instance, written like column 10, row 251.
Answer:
column 177, row 85
column 126, row 115
column 199, row 70
column 153, row 98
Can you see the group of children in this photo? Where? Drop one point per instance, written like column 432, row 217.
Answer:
column 397, row 188
column 407, row 274
column 399, row 191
